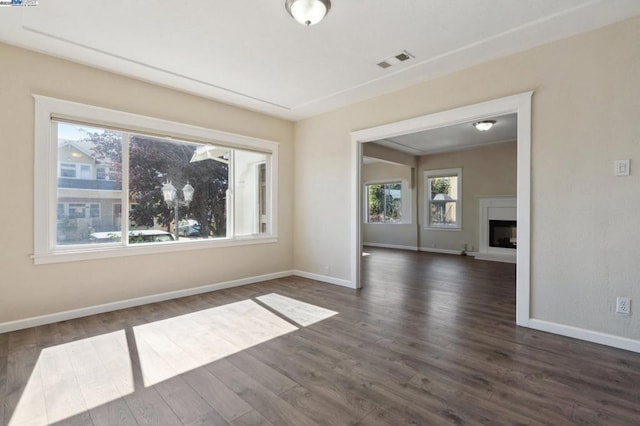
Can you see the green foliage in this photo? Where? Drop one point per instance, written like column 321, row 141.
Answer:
column 440, row 186
column 383, row 207
column 154, row 161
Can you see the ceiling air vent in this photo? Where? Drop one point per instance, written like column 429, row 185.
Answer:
column 396, row 59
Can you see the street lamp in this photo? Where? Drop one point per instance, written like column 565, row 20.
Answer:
column 170, row 194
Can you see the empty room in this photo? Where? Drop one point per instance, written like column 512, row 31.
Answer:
column 301, row 212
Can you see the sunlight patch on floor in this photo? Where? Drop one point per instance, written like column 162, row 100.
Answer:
column 302, row 313
column 174, row 346
column 72, row 378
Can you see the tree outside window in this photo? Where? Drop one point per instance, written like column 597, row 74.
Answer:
column 443, row 198
column 384, row 203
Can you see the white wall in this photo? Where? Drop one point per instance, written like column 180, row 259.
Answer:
column 585, row 225
column 401, row 235
column 374, row 150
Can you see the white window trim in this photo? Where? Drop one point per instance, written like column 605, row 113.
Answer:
column 428, row 174
column 46, row 174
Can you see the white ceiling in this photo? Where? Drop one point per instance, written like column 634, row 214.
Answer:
column 455, row 138
column 253, row 54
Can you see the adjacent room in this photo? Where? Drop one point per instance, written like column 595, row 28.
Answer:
column 300, row 212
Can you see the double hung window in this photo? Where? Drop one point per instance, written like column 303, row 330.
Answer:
column 443, row 194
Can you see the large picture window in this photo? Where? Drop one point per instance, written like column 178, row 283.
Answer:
column 187, row 188
column 443, row 192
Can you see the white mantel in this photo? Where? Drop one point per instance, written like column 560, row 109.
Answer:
column 495, row 208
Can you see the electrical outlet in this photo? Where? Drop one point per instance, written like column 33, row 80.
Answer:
column 325, row 270
column 623, row 305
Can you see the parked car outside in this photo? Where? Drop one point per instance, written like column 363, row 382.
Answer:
column 189, row 228
column 137, row 236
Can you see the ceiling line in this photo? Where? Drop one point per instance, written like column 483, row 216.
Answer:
column 468, row 147
column 417, row 151
column 462, row 49
column 152, row 67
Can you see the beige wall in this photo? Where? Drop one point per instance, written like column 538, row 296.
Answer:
column 585, row 229
column 585, row 222
column 486, row 171
column 400, row 234
column 27, row 290
column 383, row 153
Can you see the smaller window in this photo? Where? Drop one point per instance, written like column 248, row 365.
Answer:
column 443, row 194
column 384, row 203
column 102, row 173
column 77, row 211
column 85, row 171
column 94, row 210
column 68, row 170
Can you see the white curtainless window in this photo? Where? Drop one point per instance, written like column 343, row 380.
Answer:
column 183, row 187
column 443, row 195
column 384, row 203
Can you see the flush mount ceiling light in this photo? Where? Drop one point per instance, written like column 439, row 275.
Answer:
column 308, row 12
column 484, row 125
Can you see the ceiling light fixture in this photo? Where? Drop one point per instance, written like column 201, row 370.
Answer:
column 484, row 125
column 308, row 12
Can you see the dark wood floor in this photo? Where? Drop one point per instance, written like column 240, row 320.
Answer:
column 431, row 339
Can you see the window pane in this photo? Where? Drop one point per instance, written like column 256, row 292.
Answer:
column 81, row 197
column 443, row 212
column 376, row 203
column 67, row 170
column 101, row 173
column 384, row 203
column 262, row 200
column 249, row 182
column 393, row 203
column 444, row 188
column 155, row 162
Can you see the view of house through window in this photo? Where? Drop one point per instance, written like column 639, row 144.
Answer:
column 443, row 198
column 174, row 190
column 384, row 203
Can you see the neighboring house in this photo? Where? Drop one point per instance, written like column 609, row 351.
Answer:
column 88, row 199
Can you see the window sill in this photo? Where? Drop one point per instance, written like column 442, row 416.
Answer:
column 386, row 223
column 437, row 228
column 93, row 253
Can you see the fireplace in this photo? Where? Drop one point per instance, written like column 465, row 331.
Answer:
column 497, row 237
column 503, row 233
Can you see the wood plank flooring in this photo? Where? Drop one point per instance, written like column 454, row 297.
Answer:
column 431, row 339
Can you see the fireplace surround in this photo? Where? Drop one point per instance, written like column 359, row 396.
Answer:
column 498, row 243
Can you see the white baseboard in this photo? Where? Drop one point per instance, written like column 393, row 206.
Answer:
column 391, row 246
column 437, row 250
column 114, row 306
column 583, row 334
column 505, row 258
column 323, row 278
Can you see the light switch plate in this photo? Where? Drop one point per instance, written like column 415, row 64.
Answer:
column 622, row 168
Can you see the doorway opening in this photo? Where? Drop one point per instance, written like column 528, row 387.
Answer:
column 520, row 105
